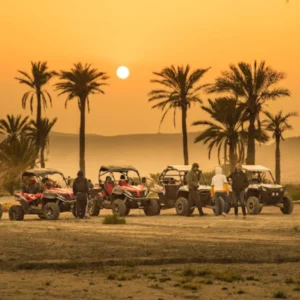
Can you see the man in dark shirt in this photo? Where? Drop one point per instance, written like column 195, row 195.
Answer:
column 80, row 190
column 193, row 183
column 239, row 183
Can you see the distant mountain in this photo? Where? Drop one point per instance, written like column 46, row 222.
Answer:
column 151, row 153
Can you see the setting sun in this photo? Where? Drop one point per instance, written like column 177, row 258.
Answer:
column 123, row 72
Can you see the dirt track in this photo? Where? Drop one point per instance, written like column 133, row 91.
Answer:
column 50, row 254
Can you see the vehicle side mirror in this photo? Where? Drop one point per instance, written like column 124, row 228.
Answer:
column 144, row 180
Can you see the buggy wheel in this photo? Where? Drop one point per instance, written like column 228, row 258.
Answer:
column 1, row 211
column 127, row 211
column 51, row 211
column 41, row 216
column 16, row 213
column 152, row 208
column 288, row 205
column 182, row 207
column 93, row 208
column 119, row 207
column 253, row 206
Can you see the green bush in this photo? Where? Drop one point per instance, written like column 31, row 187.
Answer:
column 114, row 219
column 11, row 183
column 280, row 295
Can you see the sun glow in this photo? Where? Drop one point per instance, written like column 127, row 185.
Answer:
column 122, row 72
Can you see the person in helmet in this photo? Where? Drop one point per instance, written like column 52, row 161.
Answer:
column 32, row 186
column 193, row 183
column 220, row 189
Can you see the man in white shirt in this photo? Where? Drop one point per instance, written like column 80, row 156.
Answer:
column 219, row 188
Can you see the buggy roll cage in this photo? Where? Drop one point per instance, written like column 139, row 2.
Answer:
column 42, row 173
column 181, row 173
column 117, row 169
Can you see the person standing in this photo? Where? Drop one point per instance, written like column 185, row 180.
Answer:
column 220, row 189
column 193, row 183
column 80, row 190
column 239, row 184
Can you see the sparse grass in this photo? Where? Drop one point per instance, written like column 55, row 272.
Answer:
column 290, row 281
column 224, row 288
column 241, row 292
column 296, row 289
column 114, row 219
column 228, row 276
column 251, row 278
column 189, row 272
column 280, row 295
column 190, row 287
column 296, row 228
column 122, row 278
column 111, row 276
column 164, row 279
column 203, row 273
column 152, row 277
column 209, row 282
column 156, row 286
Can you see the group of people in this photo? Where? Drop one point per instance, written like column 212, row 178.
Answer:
column 32, row 186
column 219, row 189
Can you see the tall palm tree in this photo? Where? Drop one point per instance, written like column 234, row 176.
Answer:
column 254, row 85
column 79, row 83
column 13, row 127
column 36, row 81
column 46, row 126
column 179, row 90
column 224, row 131
column 277, row 125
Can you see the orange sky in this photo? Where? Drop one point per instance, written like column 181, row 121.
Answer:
column 145, row 36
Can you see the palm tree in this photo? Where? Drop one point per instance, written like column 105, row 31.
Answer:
column 13, row 127
column 17, row 156
column 179, row 90
column 79, row 83
column 277, row 125
column 39, row 77
column 254, row 85
column 45, row 128
column 224, row 131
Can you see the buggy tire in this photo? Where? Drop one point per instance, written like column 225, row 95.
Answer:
column 253, row 206
column 153, row 208
column 127, row 211
column 51, row 211
column 288, row 205
column 93, row 208
column 1, row 211
column 119, row 207
column 16, row 213
column 41, row 216
column 182, row 207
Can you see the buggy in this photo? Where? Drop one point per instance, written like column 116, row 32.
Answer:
column 173, row 191
column 264, row 191
column 46, row 203
column 121, row 189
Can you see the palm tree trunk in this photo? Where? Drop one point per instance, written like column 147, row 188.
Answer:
column 277, row 161
column 251, row 142
column 184, row 137
column 43, row 165
column 82, row 135
column 38, row 122
column 232, row 156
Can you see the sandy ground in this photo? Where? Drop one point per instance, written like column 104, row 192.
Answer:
column 162, row 257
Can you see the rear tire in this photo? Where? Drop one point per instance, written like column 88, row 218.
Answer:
column 42, row 217
column 51, row 211
column 93, row 208
column 253, row 206
column 153, row 208
column 182, row 207
column 16, row 213
column 127, row 211
column 119, row 207
column 288, row 205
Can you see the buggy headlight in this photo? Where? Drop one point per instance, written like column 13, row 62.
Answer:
column 264, row 189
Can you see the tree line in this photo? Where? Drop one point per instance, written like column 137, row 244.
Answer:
column 234, row 126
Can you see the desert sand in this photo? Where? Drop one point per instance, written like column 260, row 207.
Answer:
column 161, row 257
